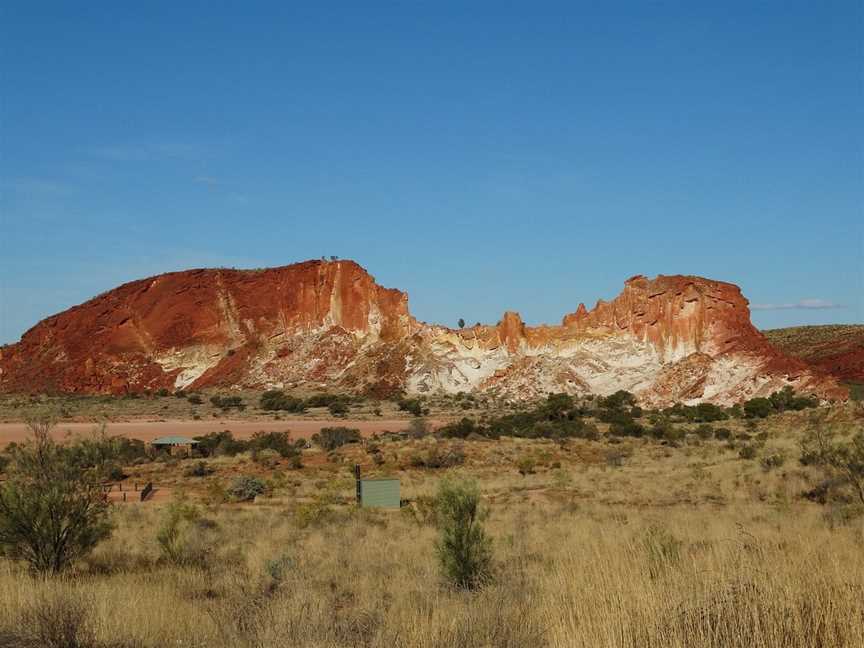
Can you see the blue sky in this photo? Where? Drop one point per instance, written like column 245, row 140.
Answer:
column 481, row 156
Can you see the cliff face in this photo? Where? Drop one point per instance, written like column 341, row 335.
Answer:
column 329, row 325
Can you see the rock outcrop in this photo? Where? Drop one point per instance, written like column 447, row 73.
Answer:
column 327, row 324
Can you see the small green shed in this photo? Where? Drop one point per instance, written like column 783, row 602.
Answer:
column 382, row 492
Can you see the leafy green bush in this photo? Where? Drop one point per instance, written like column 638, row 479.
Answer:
column 464, row 550
column 412, row 405
column 321, row 400
column 279, row 442
column 627, row 428
column 246, row 488
column 52, row 509
column 330, row 438
column 277, row 400
column 180, row 536
column 338, row 408
column 758, row 408
column 618, row 400
column 219, row 444
column 227, row 402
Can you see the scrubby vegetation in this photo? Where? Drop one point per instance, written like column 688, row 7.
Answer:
column 570, row 521
column 52, row 509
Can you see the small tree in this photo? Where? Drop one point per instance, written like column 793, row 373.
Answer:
column 843, row 459
column 52, row 508
column 464, row 550
column 461, row 323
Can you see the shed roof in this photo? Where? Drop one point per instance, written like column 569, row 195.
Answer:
column 174, row 440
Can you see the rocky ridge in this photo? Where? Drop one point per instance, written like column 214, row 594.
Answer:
column 329, row 325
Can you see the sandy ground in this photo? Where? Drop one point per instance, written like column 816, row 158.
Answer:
column 149, row 430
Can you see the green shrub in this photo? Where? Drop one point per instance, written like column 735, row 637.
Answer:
column 220, row 444
column 330, row 438
column 276, row 400
column 463, row 548
column 412, row 405
column 321, row 400
column 459, row 429
column 526, row 465
column 194, row 399
column 338, row 408
column 618, row 400
column 180, row 536
column 246, row 488
column 280, row 442
column 52, row 509
column 227, row 402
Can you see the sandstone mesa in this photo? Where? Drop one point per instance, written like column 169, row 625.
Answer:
column 329, row 325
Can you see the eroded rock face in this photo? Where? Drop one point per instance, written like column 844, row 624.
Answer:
column 327, row 324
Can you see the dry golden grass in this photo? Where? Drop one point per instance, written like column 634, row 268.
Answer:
column 674, row 547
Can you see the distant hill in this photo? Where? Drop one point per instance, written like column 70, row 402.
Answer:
column 835, row 348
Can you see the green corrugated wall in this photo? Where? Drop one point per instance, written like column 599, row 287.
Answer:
column 379, row 493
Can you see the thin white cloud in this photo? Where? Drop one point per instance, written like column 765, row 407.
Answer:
column 803, row 304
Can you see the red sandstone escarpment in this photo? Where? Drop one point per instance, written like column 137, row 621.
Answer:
column 329, row 325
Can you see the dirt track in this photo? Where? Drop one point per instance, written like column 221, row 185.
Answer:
column 149, row 430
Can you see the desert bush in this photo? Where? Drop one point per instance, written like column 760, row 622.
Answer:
column 526, row 465
column 771, row 461
column 227, row 402
column 338, row 408
column 52, row 509
column 438, row 458
column 218, row 444
column 618, row 400
column 55, row 619
column 180, row 536
column 841, row 460
column 194, row 399
column 246, row 488
column 460, row 429
column 628, row 428
column 277, row 400
column 267, row 457
column 279, row 442
column 330, row 438
column 411, row 405
column 464, row 550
